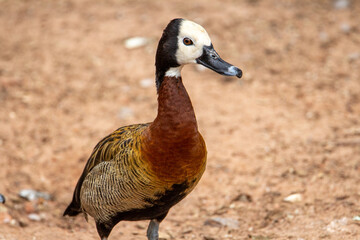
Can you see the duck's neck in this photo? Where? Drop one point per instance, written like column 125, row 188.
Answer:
column 176, row 118
column 172, row 144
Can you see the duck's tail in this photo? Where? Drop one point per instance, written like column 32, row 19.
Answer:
column 73, row 209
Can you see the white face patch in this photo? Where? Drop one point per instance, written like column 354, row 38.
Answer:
column 189, row 53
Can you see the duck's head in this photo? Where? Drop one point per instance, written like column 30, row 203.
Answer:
column 185, row 42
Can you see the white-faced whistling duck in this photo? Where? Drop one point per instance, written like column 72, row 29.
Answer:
column 140, row 171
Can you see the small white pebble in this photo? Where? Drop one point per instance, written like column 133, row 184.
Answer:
column 146, row 83
column 345, row 28
column 32, row 195
column 225, row 222
column 136, row 42
column 125, row 112
column 290, row 216
column 341, row 4
column 353, row 56
column 297, row 197
column 34, row 217
column 337, row 225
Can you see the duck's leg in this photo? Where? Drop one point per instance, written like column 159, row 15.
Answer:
column 153, row 230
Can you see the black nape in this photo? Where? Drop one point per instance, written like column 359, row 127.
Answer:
column 166, row 51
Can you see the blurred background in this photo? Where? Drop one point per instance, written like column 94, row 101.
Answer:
column 283, row 142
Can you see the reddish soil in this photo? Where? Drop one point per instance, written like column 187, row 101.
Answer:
column 290, row 126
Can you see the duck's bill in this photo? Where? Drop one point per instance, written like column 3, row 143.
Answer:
column 211, row 59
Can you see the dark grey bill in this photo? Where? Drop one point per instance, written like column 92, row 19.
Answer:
column 211, row 59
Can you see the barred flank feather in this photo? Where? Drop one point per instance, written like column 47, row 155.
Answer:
column 113, row 145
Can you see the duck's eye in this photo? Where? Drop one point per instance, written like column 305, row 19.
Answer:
column 187, row 41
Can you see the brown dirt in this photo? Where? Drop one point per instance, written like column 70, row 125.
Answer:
column 291, row 125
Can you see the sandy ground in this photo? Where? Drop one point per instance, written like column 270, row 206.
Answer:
column 290, row 126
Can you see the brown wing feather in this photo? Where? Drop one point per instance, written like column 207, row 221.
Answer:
column 106, row 150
